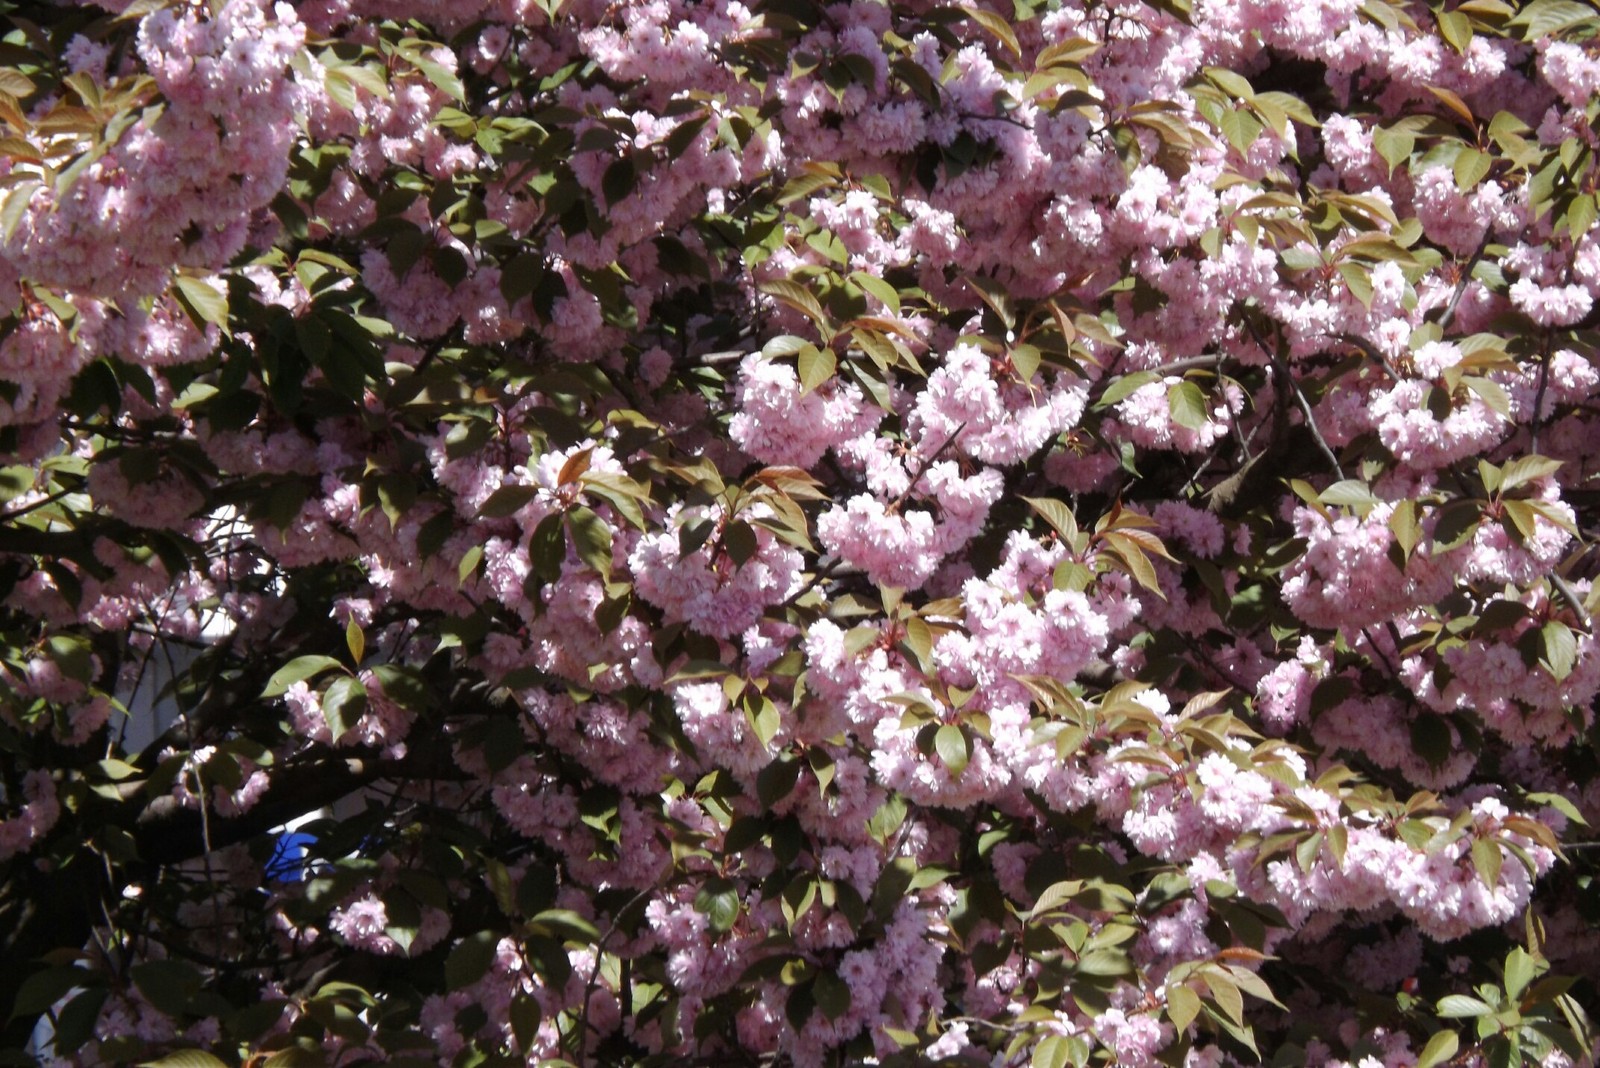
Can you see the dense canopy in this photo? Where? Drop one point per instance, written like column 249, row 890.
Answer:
column 783, row 533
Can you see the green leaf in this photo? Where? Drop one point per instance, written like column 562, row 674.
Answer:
column 355, row 640
column 885, row 293
column 1486, row 859
column 1490, row 393
column 591, row 537
column 507, row 501
column 1543, row 18
column 815, row 366
column 1183, row 1005
column 798, row 897
column 169, row 985
column 15, row 481
column 547, row 549
column 1406, row 526
column 43, row 989
column 469, row 961
column 1393, row 145
column 776, row 781
column 296, row 670
column 1225, row 992
column 718, row 900
column 762, row 715
column 1051, row 1053
column 1106, row 962
column 1309, row 849
column 1025, row 360
column 619, row 180
column 1459, row 1006
column 1240, row 128
column 887, row 818
column 1057, row 514
column 1134, row 559
column 1525, row 469
column 1253, row 984
column 832, row 994
column 1560, row 649
column 72, row 654
column 567, row 923
column 1440, row 1049
column 469, row 563
column 803, row 185
column 1520, row 970
column 1458, row 523
column 1471, row 166
column 926, row 876
column 1431, row 738
column 801, row 299
column 783, row 345
column 621, row 492
column 1561, row 805
column 1297, row 258
column 1350, row 493
column 1124, row 386
column 203, row 302
column 953, row 747
column 1582, row 213
column 1235, row 85
column 436, row 73
column 1456, row 29
column 343, row 704
column 1187, row 402
column 1000, row 27
column 186, row 1058
column 525, row 1016
column 828, row 244
column 1358, row 279
column 76, row 1020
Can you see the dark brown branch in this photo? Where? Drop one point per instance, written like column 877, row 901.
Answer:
column 168, row 832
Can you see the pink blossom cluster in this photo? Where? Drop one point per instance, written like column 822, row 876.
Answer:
column 32, row 819
column 802, row 525
column 182, row 185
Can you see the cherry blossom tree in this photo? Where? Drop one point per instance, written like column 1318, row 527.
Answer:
column 786, row 533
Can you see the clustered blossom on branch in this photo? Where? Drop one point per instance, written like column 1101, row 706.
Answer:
column 800, row 533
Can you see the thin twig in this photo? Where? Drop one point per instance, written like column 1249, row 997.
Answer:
column 594, row 972
column 1010, row 1029
column 1538, row 397
column 1570, row 595
column 1372, row 352
column 1280, row 366
column 1373, row 645
column 1112, row 375
column 6, row 517
column 922, row 468
column 1216, row 669
column 1461, row 284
